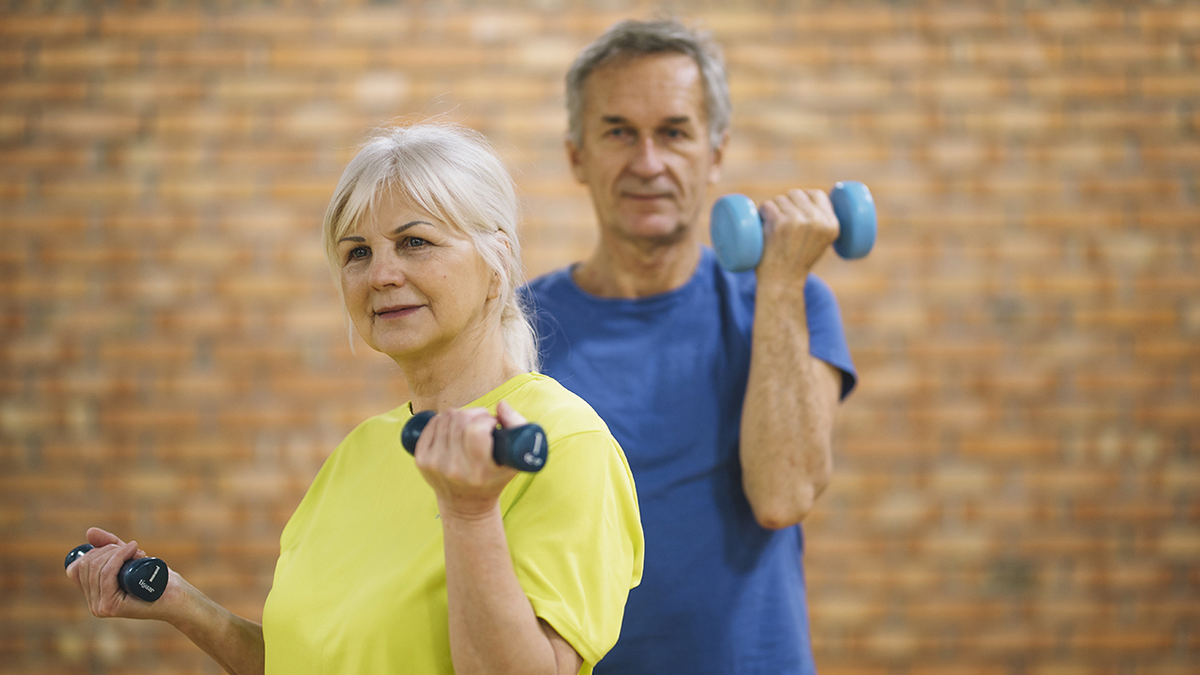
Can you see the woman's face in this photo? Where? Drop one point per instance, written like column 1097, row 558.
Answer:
column 412, row 284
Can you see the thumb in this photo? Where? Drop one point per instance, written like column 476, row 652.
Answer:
column 98, row 537
column 508, row 417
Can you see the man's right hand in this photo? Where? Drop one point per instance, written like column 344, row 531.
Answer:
column 798, row 227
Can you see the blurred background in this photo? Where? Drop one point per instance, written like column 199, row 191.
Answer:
column 1017, row 483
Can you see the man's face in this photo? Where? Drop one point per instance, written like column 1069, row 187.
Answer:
column 645, row 155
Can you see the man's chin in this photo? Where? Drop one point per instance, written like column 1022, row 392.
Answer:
column 654, row 226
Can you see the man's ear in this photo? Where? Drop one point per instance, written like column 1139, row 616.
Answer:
column 718, row 153
column 575, row 160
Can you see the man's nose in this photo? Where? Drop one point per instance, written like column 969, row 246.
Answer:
column 648, row 160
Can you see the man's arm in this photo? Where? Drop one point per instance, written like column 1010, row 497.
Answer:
column 791, row 397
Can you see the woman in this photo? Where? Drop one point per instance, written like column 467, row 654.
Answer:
column 442, row 561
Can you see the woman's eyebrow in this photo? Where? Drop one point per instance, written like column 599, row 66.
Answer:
column 398, row 230
column 414, row 223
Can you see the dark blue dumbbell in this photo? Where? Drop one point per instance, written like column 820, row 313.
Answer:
column 522, row 448
column 737, row 233
column 145, row 578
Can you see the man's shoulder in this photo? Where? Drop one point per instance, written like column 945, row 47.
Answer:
column 549, row 284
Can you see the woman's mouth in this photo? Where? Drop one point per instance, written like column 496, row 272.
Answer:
column 395, row 311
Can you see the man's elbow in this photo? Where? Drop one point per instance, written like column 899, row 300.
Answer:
column 785, row 510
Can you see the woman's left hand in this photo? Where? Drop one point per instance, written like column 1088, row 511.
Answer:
column 454, row 455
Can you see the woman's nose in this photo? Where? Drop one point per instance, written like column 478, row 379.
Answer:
column 387, row 270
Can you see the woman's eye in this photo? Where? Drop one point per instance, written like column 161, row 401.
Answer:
column 358, row 253
column 415, row 242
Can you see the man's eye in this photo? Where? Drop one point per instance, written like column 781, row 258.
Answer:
column 674, row 133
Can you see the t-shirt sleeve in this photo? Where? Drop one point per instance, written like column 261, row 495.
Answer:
column 826, row 335
column 575, row 537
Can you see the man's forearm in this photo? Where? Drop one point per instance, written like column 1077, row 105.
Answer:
column 787, row 419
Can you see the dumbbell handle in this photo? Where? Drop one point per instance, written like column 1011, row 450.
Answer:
column 737, row 226
column 522, row 448
column 144, row 578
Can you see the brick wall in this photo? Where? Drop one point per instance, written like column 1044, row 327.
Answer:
column 1017, row 476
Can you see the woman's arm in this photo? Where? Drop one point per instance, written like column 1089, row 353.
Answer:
column 233, row 642
column 493, row 628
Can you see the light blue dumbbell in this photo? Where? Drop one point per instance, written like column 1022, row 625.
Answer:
column 737, row 233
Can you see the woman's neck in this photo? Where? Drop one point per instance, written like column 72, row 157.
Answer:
column 454, row 377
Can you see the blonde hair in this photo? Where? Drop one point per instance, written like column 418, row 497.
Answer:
column 452, row 173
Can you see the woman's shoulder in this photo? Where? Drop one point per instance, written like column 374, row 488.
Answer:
column 377, row 427
column 558, row 410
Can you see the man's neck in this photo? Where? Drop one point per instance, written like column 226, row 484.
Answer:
column 627, row 269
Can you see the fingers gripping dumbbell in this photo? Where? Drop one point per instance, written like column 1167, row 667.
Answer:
column 145, row 578
column 737, row 233
column 522, row 448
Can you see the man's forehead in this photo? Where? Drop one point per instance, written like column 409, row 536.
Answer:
column 666, row 86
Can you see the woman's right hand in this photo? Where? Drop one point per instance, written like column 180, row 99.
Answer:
column 95, row 573
column 454, row 455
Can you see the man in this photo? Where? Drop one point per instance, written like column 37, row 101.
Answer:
column 720, row 387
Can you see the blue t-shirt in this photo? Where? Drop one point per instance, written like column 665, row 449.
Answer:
column 667, row 373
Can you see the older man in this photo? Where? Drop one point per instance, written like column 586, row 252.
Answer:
column 720, row 387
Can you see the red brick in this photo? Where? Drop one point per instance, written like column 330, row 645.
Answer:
column 961, row 19
column 297, row 26
column 971, row 89
column 1173, row 85
column 767, row 57
column 1183, row 153
column 196, row 57
column 85, row 124
column 146, row 91
column 152, row 25
column 55, row 92
column 1001, row 55
column 43, row 157
column 860, row 20
column 200, row 188
column 1126, row 641
column 1140, row 120
column 1183, row 20
column 384, row 25
column 1089, row 21
column 1076, row 86
column 204, row 123
column 1121, row 51
column 56, row 25
column 306, row 58
column 232, row 90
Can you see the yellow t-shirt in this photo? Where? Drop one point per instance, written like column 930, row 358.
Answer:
column 360, row 585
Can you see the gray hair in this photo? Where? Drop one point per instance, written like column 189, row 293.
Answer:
column 631, row 39
column 454, row 174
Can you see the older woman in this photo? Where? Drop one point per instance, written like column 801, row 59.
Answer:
column 442, row 561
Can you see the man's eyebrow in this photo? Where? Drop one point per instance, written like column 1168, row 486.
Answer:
column 669, row 121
